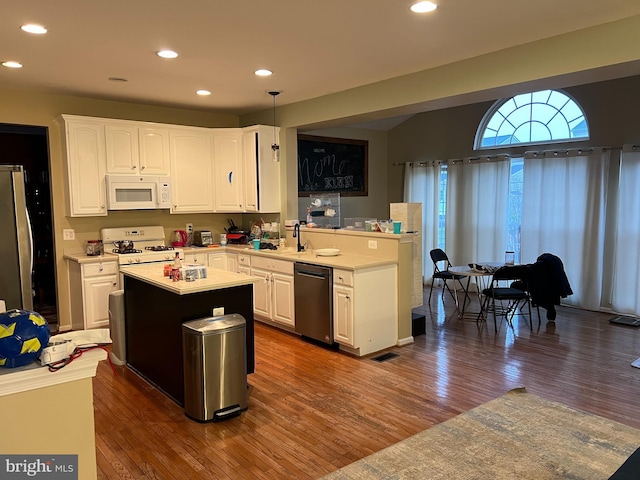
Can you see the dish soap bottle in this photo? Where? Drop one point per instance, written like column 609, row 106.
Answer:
column 175, row 269
column 309, row 219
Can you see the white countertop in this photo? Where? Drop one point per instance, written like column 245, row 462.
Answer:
column 153, row 273
column 346, row 261
column 84, row 258
column 32, row 376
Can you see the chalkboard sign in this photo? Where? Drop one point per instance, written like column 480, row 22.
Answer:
column 332, row 165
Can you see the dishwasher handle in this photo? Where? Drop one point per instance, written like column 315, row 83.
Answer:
column 307, row 273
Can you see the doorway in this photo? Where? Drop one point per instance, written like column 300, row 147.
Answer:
column 28, row 146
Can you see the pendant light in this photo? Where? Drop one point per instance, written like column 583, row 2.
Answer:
column 275, row 148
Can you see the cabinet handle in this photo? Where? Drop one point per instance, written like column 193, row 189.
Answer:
column 230, row 176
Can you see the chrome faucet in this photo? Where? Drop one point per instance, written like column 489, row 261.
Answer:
column 296, row 234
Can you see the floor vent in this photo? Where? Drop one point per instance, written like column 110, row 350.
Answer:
column 385, row 356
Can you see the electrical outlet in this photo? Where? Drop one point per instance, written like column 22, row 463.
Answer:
column 69, row 234
column 373, row 244
column 189, row 228
column 218, row 311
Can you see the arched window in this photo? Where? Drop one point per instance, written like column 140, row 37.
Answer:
column 547, row 116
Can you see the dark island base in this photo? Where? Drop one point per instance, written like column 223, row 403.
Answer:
column 154, row 318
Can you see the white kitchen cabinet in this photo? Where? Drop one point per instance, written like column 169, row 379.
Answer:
column 343, row 315
column 243, row 263
column 198, row 258
column 227, row 168
column 365, row 318
column 218, row 260
column 136, row 148
column 91, row 284
column 154, row 150
column 273, row 296
column 84, row 151
column 191, row 170
column 261, row 172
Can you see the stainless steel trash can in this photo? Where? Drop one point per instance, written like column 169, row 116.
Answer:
column 117, row 329
column 215, row 367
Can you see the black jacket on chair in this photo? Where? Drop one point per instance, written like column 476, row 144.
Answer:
column 548, row 283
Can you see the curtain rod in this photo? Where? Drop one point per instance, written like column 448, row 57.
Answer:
column 453, row 161
column 529, row 154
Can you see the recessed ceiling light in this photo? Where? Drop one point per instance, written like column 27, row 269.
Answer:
column 33, row 28
column 263, row 72
column 423, row 7
column 11, row 64
column 203, row 92
column 167, row 54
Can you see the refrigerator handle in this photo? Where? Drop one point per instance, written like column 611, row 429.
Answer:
column 30, row 241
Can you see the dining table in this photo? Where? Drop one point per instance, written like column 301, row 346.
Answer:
column 482, row 272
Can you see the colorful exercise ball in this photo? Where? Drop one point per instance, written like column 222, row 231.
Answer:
column 23, row 335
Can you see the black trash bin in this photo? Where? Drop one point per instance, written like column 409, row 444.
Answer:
column 215, row 367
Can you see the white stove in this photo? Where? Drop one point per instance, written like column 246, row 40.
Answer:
column 148, row 245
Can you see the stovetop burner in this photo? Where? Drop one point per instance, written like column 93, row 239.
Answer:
column 159, row 248
column 127, row 250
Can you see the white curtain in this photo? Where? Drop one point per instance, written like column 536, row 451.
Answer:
column 564, row 202
column 477, row 205
column 626, row 274
column 422, row 185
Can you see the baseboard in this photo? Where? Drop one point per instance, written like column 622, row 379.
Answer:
column 404, row 341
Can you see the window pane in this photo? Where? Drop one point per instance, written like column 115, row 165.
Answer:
column 530, row 118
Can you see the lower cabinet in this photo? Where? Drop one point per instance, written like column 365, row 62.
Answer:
column 218, row 260
column 343, row 315
column 96, row 281
column 199, row 258
column 242, row 263
column 365, row 317
column 273, row 297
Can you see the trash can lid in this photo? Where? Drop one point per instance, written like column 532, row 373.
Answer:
column 207, row 325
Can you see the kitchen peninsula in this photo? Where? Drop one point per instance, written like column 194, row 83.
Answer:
column 156, row 307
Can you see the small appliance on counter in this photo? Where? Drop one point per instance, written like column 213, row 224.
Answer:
column 179, row 238
column 202, row 238
column 235, row 235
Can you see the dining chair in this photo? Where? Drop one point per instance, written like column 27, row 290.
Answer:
column 510, row 287
column 441, row 265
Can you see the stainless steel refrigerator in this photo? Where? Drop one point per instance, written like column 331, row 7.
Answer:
column 16, row 244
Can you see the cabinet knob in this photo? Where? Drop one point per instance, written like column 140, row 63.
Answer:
column 141, row 168
column 133, row 167
column 115, row 284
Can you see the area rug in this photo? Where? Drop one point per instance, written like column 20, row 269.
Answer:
column 516, row 436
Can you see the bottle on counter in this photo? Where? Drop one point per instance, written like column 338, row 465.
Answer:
column 175, row 268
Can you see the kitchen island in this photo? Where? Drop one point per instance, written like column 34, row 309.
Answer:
column 156, row 308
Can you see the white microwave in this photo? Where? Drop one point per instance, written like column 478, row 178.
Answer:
column 137, row 192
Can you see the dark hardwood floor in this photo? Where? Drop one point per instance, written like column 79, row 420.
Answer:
column 313, row 410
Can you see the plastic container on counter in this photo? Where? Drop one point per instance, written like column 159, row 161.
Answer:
column 94, row 247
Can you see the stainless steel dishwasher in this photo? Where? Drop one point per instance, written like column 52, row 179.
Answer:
column 313, row 286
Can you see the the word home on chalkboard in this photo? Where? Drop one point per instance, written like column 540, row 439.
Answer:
column 332, row 165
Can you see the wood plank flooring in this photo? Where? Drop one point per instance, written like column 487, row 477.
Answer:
column 313, row 410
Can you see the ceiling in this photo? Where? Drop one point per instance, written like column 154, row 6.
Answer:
column 313, row 47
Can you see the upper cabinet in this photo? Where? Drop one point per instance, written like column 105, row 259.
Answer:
column 135, row 149
column 191, row 170
column 228, row 171
column 212, row 170
column 84, row 152
column 261, row 171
